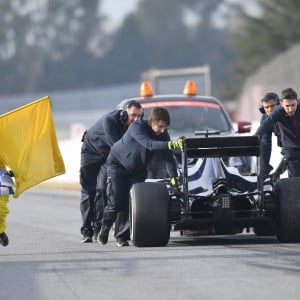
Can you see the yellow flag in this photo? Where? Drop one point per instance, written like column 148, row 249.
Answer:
column 28, row 144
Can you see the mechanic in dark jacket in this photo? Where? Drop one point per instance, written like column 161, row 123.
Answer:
column 127, row 164
column 288, row 118
column 97, row 142
column 267, row 104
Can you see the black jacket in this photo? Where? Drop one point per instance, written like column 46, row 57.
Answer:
column 266, row 140
column 134, row 150
column 289, row 130
column 98, row 139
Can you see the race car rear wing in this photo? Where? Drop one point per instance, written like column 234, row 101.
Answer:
column 228, row 146
column 222, row 146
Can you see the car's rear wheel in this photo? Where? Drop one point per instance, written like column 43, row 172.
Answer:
column 149, row 218
column 287, row 193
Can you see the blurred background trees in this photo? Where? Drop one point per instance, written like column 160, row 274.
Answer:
column 47, row 44
column 57, row 44
column 260, row 38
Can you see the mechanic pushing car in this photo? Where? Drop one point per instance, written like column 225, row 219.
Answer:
column 97, row 142
column 287, row 116
column 267, row 104
column 127, row 164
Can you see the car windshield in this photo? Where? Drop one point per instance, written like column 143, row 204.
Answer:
column 188, row 119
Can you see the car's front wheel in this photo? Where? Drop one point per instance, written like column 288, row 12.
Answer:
column 149, row 218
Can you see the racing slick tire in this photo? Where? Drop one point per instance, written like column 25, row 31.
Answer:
column 149, row 218
column 287, row 193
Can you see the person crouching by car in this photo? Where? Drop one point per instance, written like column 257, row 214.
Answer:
column 287, row 116
column 127, row 164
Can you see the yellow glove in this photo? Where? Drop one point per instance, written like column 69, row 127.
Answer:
column 175, row 183
column 172, row 145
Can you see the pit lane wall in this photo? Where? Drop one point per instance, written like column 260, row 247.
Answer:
column 70, row 150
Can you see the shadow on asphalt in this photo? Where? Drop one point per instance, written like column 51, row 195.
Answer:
column 241, row 239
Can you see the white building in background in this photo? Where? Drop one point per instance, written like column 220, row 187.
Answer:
column 276, row 75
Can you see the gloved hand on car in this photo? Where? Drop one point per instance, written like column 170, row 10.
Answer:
column 173, row 145
column 176, row 183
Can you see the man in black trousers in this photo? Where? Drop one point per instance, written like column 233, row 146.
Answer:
column 127, row 164
column 97, row 142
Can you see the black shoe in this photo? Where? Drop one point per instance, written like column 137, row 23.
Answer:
column 4, row 239
column 121, row 242
column 103, row 235
column 86, row 237
column 96, row 233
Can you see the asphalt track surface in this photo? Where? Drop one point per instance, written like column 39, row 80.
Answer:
column 45, row 260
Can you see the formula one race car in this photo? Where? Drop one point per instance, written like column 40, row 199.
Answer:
column 215, row 198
